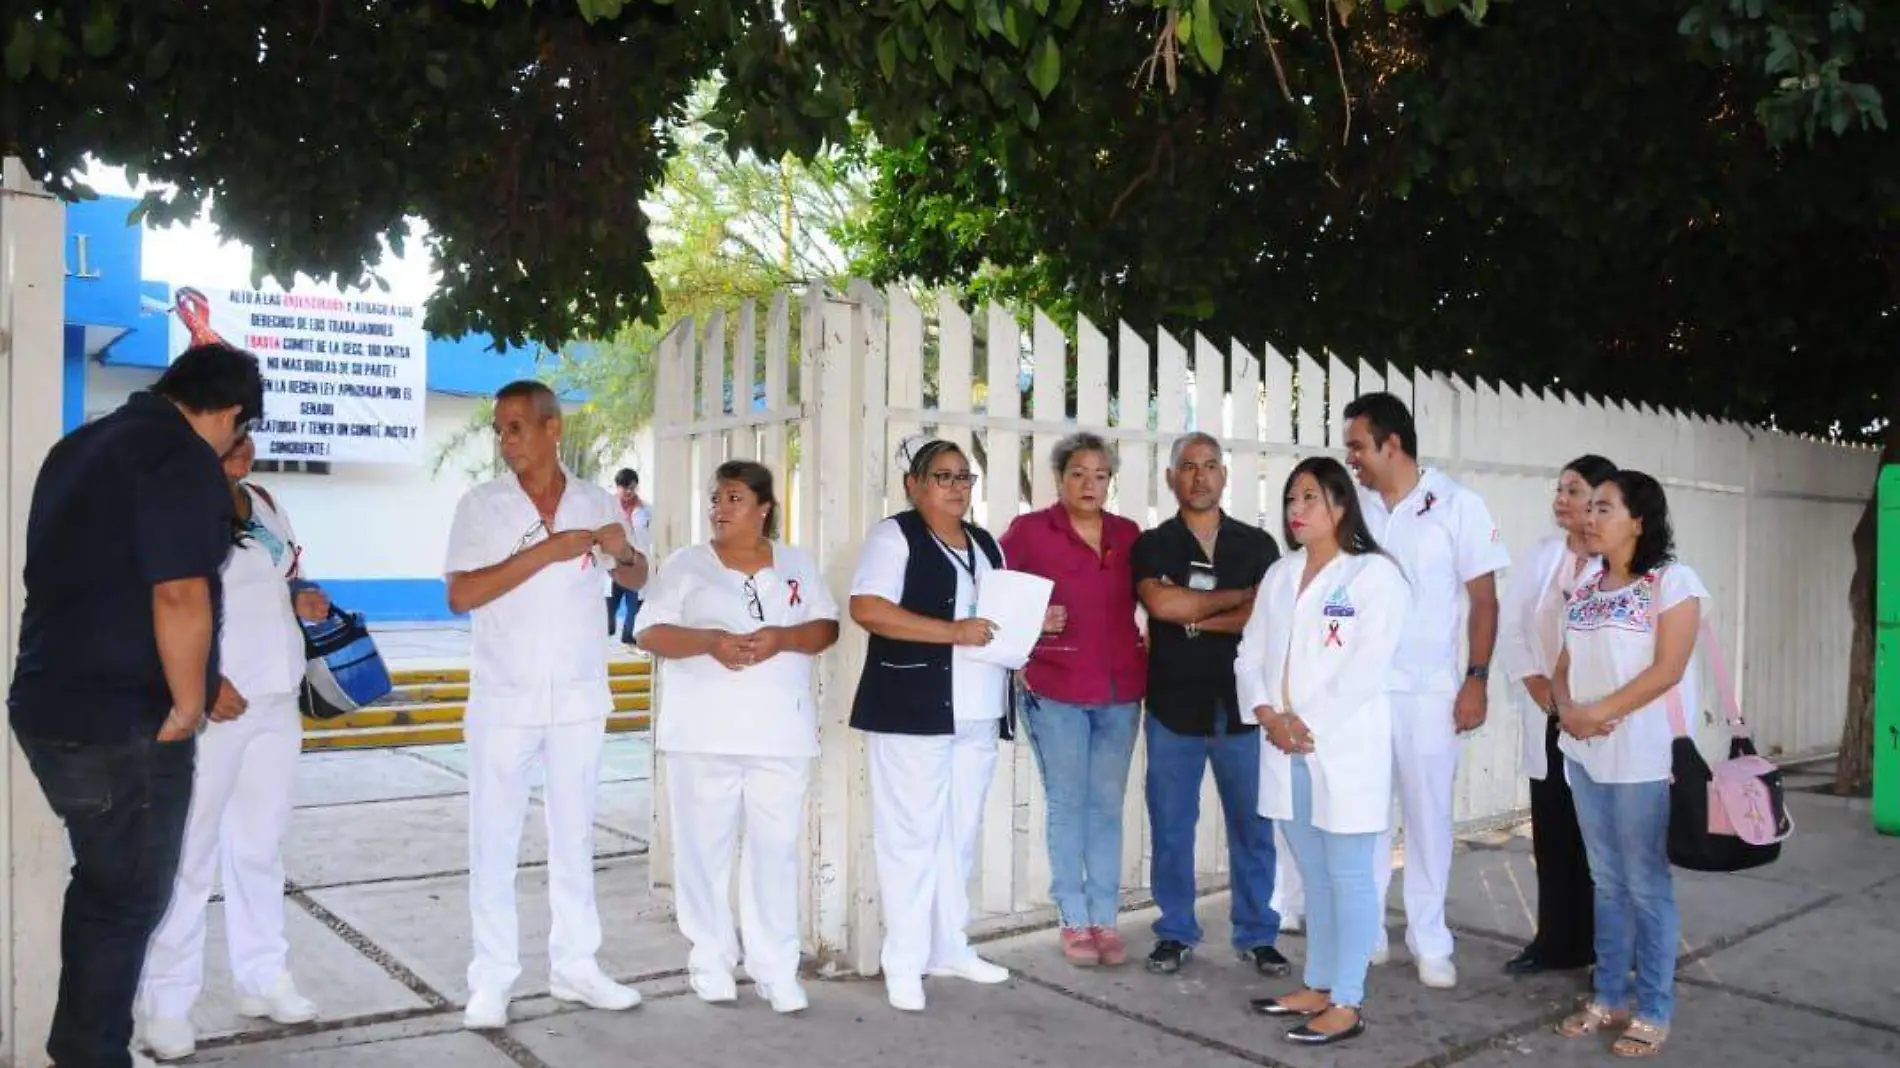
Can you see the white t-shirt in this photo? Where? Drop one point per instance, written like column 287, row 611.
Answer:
column 539, row 653
column 1611, row 637
column 977, row 690
column 763, row 710
column 260, row 645
column 1442, row 536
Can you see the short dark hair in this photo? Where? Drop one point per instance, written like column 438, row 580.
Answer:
column 626, row 477
column 927, row 454
column 1385, row 416
column 546, row 404
column 211, row 378
column 1644, row 499
column 1592, row 468
column 756, row 477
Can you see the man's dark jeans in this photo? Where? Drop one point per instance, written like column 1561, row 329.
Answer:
column 124, row 806
column 632, row 598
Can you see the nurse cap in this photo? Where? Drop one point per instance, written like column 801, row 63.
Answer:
column 914, row 446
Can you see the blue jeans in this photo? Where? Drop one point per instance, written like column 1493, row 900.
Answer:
column 1084, row 755
column 124, row 806
column 1343, row 915
column 1626, row 835
column 614, row 598
column 1176, row 765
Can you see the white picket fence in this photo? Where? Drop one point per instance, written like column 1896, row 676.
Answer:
column 1763, row 517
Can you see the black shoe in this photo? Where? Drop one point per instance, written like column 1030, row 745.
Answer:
column 1529, row 962
column 1273, row 1007
column 1304, row 1035
column 1169, row 956
column 1268, row 961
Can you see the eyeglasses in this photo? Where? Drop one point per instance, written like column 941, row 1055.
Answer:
column 754, row 606
column 946, row 479
column 527, row 539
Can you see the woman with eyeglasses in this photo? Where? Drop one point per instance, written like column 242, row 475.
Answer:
column 933, row 716
column 242, row 790
column 1531, row 636
column 736, row 624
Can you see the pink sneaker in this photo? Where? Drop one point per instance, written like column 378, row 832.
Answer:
column 1078, row 945
column 1110, row 946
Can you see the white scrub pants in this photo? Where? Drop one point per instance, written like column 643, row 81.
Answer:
column 241, row 798
column 1424, row 766
column 711, row 795
column 927, row 795
column 501, row 760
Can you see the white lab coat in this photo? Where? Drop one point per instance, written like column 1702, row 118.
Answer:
column 1327, row 652
column 1531, row 633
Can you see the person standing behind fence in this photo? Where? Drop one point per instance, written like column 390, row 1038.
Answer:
column 1531, row 637
column 1629, row 636
column 1315, row 671
column 1082, row 690
column 932, row 715
column 639, row 523
column 118, row 665
column 737, row 624
column 244, row 785
column 523, row 555
column 1446, row 542
column 1196, row 574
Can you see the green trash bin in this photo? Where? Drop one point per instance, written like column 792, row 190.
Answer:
column 1887, row 658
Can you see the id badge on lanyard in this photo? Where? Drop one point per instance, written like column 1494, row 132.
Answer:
column 1200, row 576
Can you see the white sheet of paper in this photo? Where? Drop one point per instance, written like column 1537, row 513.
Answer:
column 1016, row 602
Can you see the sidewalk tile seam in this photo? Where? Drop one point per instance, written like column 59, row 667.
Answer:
column 459, row 873
column 1780, row 1002
column 366, row 946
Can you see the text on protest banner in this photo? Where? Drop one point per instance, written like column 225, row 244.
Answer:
column 345, row 374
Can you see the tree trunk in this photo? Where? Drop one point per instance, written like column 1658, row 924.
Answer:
column 1854, row 770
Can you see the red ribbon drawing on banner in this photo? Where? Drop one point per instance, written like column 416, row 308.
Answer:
column 792, row 584
column 1332, row 634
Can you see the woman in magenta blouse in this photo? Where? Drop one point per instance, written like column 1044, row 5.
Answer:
column 1082, row 691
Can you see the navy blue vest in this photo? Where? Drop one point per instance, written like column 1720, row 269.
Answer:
column 905, row 687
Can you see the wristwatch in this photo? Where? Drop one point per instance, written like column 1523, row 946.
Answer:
column 1481, row 672
column 1193, row 630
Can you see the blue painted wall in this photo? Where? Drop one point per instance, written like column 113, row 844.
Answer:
column 409, row 600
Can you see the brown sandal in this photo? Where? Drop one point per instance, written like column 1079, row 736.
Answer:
column 1591, row 1019
column 1641, row 1039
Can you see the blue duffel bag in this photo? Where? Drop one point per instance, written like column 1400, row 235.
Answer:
column 345, row 672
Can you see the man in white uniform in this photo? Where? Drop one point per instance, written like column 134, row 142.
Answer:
column 525, row 557
column 1444, row 538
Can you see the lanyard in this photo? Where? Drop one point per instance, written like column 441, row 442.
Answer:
column 968, row 566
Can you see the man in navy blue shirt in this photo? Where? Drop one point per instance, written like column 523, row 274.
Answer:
column 131, row 519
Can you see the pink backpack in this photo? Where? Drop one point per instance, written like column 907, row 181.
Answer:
column 1731, row 816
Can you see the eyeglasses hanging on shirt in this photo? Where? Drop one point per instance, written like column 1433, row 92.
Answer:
column 541, row 527
column 753, row 606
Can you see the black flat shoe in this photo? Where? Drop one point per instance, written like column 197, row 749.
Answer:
column 1306, row 1036
column 1272, row 1007
column 1529, row 962
column 1268, row 961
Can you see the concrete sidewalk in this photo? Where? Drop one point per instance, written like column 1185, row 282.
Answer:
column 1797, row 964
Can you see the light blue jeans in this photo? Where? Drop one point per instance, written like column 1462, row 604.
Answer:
column 1084, row 755
column 1626, row 836
column 1343, row 916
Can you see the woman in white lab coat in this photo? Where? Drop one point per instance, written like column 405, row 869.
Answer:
column 241, row 794
column 1530, row 638
column 736, row 624
column 1313, row 670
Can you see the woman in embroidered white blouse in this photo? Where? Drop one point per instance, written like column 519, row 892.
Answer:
column 1629, row 635
column 737, row 623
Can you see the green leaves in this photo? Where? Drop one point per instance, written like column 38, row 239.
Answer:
column 1045, row 70
column 1207, row 38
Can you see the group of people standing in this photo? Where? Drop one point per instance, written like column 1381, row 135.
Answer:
column 1319, row 685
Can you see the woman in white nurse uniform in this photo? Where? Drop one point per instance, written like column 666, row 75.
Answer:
column 1314, row 669
column 933, row 715
column 736, row 624
column 241, row 795
column 1531, row 635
